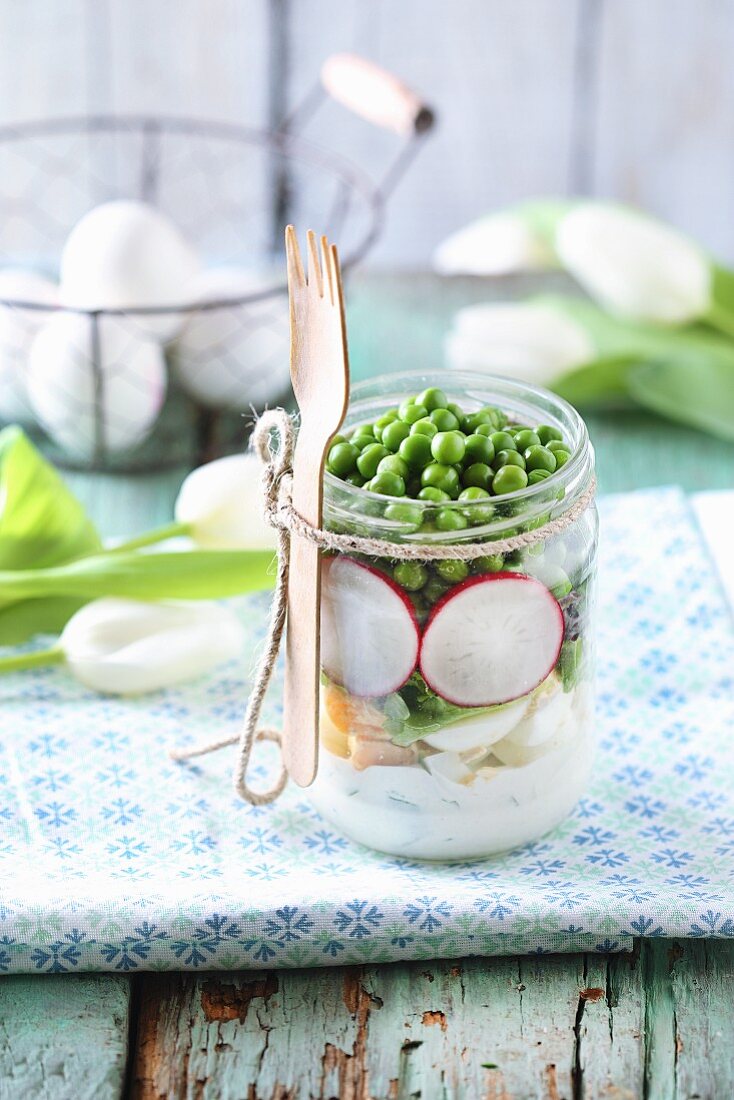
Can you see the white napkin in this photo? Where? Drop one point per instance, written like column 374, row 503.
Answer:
column 715, row 514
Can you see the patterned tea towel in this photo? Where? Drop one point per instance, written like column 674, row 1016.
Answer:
column 114, row 858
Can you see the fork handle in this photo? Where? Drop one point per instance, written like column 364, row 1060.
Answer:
column 302, row 663
column 375, row 94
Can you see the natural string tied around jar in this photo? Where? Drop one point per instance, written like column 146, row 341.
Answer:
column 280, row 514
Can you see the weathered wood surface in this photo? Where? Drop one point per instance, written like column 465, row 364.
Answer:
column 63, row 1037
column 656, row 1024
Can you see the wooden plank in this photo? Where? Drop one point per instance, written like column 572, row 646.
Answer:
column 665, row 124
column 518, row 1028
column 690, row 1027
column 500, row 76
column 63, row 1037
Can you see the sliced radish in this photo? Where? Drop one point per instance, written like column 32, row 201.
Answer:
column 491, row 639
column 369, row 632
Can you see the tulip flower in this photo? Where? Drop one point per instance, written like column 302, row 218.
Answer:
column 220, row 505
column 633, row 265
column 587, row 356
column 535, row 342
column 127, row 647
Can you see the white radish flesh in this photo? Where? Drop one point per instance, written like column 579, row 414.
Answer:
column 369, row 632
column 491, row 640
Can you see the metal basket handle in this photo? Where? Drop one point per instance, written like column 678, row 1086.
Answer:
column 375, row 94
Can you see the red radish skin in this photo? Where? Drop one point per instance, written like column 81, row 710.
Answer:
column 373, row 650
column 542, row 611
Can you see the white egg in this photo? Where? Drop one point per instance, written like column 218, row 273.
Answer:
column 127, row 255
column 79, row 406
column 238, row 355
column 18, row 328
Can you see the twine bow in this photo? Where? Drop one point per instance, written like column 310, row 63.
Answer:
column 280, row 514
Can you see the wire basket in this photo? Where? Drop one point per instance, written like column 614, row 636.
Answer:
column 150, row 386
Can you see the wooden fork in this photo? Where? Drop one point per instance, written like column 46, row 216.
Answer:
column 320, row 377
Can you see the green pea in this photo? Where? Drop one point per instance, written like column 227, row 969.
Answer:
column 394, row 434
column 404, row 405
column 356, row 479
column 342, row 459
column 456, row 410
column 337, row 439
column 479, row 475
column 478, row 449
column 546, row 433
column 361, row 439
column 490, row 563
column 388, row 484
column 557, row 445
column 370, row 459
column 424, row 427
column 503, row 441
column 479, row 511
column 509, row 479
column 444, row 420
column 433, row 495
column 526, row 438
column 410, row 575
column 448, row 447
column 537, row 475
column 471, row 422
column 434, row 590
column 407, row 514
column 496, row 417
column 538, row 457
column 410, row 413
column 485, row 429
column 432, row 398
column 416, row 451
column 441, row 476
column 382, row 422
column 508, row 458
column 561, row 458
column 450, row 519
column 452, row 571
column 393, row 464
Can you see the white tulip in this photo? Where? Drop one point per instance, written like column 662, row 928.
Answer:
column 127, row 647
column 532, row 342
column 634, row 265
column 221, row 504
column 495, row 245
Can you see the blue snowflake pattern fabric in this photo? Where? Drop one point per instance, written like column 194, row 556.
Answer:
column 114, row 858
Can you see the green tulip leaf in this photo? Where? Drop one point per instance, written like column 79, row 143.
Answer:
column 23, row 619
column 697, row 392
column 599, row 384
column 41, row 521
column 182, row 575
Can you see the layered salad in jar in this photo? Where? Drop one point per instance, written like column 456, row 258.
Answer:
column 456, row 697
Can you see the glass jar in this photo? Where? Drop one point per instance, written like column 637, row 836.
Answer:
column 457, row 697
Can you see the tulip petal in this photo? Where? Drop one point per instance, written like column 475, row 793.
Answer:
column 222, row 502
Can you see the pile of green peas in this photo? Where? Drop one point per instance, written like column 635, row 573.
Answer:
column 428, row 449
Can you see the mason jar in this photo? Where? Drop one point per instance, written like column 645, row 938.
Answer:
column 457, row 697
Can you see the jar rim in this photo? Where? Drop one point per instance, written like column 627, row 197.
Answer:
column 495, row 389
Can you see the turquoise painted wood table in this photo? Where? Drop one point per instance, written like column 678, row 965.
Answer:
column 656, row 1024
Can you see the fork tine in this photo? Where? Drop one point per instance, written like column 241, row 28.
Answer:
column 296, row 277
column 327, row 266
column 314, row 266
column 335, row 268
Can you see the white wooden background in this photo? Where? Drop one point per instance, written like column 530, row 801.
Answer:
column 628, row 98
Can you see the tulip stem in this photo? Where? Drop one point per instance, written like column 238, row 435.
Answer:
column 722, row 319
column 40, row 657
column 150, row 538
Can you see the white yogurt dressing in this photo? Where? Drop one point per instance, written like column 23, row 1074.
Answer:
column 443, row 809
